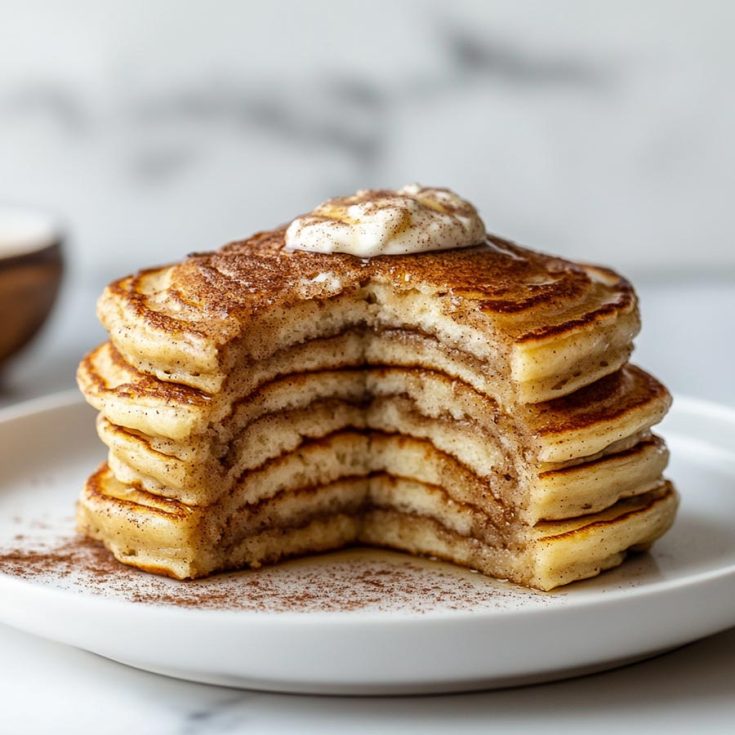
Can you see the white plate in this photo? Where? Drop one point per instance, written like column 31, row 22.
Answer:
column 360, row 622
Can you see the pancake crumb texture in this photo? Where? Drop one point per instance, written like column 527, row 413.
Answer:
column 475, row 405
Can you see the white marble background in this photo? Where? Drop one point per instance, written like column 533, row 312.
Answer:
column 594, row 129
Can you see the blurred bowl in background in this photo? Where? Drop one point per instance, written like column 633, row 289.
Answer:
column 31, row 266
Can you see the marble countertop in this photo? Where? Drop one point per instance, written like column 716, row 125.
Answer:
column 46, row 687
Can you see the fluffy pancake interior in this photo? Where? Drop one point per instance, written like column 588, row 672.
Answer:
column 379, row 510
column 425, row 452
column 539, row 326
column 473, row 405
column 455, row 420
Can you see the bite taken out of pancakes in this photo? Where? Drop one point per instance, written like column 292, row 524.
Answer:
column 474, row 404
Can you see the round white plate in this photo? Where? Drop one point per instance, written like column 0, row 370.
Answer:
column 358, row 622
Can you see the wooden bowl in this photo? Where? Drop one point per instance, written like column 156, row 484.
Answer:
column 30, row 274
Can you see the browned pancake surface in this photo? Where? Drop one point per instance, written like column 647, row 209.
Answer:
column 211, row 291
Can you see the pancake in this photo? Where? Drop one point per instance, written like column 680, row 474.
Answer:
column 613, row 415
column 539, row 326
column 171, row 538
column 138, row 401
column 196, row 473
column 474, row 404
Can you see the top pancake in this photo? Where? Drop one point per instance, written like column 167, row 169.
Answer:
column 548, row 326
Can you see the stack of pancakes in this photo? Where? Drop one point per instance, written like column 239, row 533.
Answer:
column 476, row 405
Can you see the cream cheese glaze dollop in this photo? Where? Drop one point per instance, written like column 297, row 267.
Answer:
column 413, row 219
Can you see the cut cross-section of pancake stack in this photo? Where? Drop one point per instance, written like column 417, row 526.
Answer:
column 475, row 405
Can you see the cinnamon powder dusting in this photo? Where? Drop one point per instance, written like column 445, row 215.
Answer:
column 351, row 580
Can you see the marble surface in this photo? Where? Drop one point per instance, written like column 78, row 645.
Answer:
column 46, row 687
